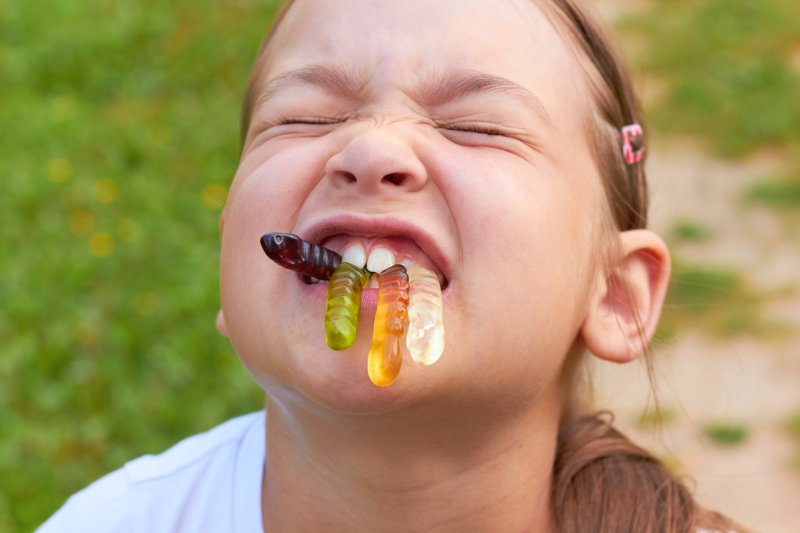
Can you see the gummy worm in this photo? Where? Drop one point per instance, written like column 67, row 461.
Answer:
column 343, row 304
column 425, row 337
column 294, row 253
column 385, row 359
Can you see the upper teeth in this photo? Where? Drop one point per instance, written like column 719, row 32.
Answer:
column 355, row 255
column 380, row 259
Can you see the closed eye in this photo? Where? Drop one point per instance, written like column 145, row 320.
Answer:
column 470, row 127
column 289, row 127
column 313, row 121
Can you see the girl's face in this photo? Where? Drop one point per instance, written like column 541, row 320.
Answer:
column 454, row 132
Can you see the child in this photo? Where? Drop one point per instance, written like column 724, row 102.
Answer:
column 495, row 144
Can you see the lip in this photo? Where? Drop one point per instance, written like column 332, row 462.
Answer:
column 359, row 226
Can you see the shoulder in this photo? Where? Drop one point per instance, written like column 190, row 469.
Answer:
column 217, row 445
column 210, row 480
column 102, row 506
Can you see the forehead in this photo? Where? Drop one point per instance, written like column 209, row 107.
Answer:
column 398, row 42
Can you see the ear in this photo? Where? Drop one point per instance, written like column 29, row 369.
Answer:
column 626, row 303
column 222, row 327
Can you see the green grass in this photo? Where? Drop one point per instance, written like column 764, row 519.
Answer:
column 783, row 194
column 691, row 231
column 726, row 433
column 716, row 300
column 656, row 417
column 672, row 463
column 728, row 68
column 728, row 76
column 792, row 426
column 794, row 460
column 120, row 136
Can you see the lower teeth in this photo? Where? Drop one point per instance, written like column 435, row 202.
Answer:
column 373, row 281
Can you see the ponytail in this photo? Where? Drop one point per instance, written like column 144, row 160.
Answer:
column 603, row 482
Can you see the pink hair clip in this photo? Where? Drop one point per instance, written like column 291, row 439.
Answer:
column 633, row 144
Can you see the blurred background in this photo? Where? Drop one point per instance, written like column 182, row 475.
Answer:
column 119, row 137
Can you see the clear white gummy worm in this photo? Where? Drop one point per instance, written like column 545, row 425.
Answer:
column 425, row 336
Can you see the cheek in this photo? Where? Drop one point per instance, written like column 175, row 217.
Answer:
column 245, row 283
column 266, row 195
column 269, row 189
column 528, row 226
column 537, row 266
column 271, row 183
column 527, row 260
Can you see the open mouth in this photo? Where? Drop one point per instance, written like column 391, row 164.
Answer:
column 407, row 282
column 377, row 254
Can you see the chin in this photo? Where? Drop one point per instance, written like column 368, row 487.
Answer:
column 338, row 381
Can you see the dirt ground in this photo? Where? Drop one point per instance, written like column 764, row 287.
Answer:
column 754, row 383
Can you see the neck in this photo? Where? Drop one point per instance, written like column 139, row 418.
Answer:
column 416, row 470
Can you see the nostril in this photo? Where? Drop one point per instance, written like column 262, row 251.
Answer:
column 394, row 178
column 347, row 177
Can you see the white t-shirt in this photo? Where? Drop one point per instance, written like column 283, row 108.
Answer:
column 208, row 482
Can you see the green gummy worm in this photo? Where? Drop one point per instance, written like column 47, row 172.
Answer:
column 344, row 302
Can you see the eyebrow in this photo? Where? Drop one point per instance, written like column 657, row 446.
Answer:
column 462, row 83
column 335, row 79
column 433, row 91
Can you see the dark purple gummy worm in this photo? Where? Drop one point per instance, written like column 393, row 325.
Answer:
column 307, row 258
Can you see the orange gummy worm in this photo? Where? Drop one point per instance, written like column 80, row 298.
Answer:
column 383, row 363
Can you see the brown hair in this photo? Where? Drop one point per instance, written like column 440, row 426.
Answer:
column 601, row 480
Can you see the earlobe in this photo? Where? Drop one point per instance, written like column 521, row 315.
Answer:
column 222, row 327
column 626, row 302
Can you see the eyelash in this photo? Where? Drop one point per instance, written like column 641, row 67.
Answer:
column 458, row 127
column 313, row 121
column 474, row 128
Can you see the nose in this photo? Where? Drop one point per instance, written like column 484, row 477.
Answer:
column 376, row 160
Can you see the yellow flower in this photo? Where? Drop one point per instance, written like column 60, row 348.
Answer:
column 101, row 244
column 105, row 191
column 214, row 195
